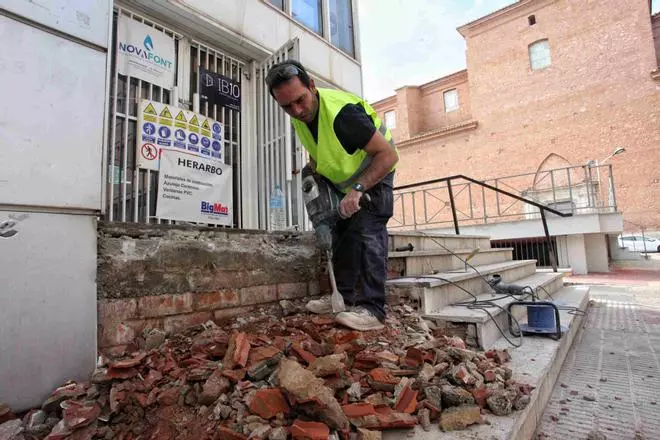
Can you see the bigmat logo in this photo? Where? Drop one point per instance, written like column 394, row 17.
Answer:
column 214, row 208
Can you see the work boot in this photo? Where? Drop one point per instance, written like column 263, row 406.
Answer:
column 359, row 319
column 321, row 306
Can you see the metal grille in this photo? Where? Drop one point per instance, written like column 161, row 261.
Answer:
column 278, row 152
column 218, row 62
column 131, row 192
column 529, row 249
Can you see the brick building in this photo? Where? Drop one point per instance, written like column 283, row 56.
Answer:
column 549, row 83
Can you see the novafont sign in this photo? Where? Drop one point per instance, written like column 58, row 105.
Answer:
column 144, row 52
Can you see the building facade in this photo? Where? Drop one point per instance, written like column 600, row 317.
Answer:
column 70, row 133
column 549, row 84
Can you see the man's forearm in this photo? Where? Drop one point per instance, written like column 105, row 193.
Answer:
column 382, row 163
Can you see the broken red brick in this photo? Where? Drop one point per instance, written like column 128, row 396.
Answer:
column 344, row 337
column 317, row 349
column 323, row 320
column 223, row 433
column 242, row 350
column 388, row 356
column 122, row 373
column 490, row 376
column 309, row 358
column 481, row 395
column 524, row 389
column 414, row 358
column 381, row 379
column 5, row 413
column 267, row 403
column 235, row 375
column 169, row 396
column 76, row 415
column 357, row 410
column 500, row 356
column 455, row 341
column 301, row 430
column 366, row 360
column 142, row 399
column 68, row 391
column 385, row 418
column 152, row 378
column 128, row 363
column 59, row 432
column 399, row 373
column 260, row 354
column 407, row 400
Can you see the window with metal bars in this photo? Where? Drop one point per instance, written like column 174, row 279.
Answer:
column 131, row 192
column 535, row 248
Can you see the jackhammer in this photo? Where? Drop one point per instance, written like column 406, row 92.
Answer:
column 322, row 203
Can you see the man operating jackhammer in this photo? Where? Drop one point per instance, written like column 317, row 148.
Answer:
column 350, row 148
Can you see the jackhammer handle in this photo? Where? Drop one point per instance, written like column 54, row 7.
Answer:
column 365, row 200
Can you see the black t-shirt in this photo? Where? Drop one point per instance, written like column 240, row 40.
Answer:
column 353, row 127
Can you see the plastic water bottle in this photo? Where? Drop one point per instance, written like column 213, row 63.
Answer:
column 277, row 214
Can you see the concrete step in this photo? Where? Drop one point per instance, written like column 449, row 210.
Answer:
column 425, row 262
column 484, row 324
column 538, row 363
column 424, row 241
column 435, row 293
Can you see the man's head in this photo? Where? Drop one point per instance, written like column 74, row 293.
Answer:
column 294, row 90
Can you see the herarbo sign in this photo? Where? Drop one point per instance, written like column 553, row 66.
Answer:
column 219, row 89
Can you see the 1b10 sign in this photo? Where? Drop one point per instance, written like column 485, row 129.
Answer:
column 220, row 90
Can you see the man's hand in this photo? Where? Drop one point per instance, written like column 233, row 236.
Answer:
column 350, row 204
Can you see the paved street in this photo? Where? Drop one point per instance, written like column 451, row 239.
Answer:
column 610, row 381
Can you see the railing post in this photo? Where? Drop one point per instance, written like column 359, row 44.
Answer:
column 470, row 197
column 414, row 208
column 497, row 197
column 453, row 207
column 570, row 187
column 612, row 192
column 551, row 250
column 554, row 190
column 426, row 216
column 587, row 184
column 483, row 196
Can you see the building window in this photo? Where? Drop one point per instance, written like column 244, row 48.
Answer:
column 341, row 25
column 309, row 13
column 279, row 4
column 390, row 119
column 532, row 20
column 539, row 55
column 451, row 100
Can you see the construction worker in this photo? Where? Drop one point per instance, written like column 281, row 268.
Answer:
column 349, row 146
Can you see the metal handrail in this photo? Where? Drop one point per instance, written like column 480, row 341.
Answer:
column 542, row 208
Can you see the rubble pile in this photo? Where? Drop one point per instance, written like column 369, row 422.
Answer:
column 269, row 377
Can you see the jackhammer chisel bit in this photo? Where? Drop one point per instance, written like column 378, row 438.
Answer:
column 322, row 204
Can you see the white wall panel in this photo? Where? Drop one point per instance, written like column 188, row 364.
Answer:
column 84, row 19
column 51, row 119
column 47, row 305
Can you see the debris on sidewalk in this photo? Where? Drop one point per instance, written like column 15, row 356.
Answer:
column 271, row 377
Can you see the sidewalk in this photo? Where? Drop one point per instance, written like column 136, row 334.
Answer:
column 621, row 277
column 609, row 386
